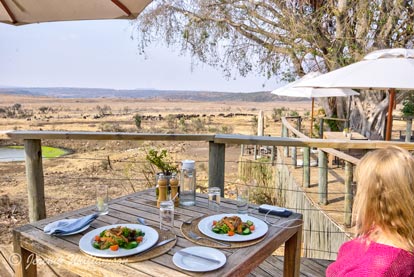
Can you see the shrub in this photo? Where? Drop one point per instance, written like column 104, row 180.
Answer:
column 138, row 121
column 408, row 106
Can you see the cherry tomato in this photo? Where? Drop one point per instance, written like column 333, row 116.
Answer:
column 114, row 247
column 139, row 239
column 214, row 222
column 252, row 228
column 97, row 238
column 230, row 233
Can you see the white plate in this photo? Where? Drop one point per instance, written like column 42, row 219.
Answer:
column 197, row 264
column 206, row 224
column 150, row 238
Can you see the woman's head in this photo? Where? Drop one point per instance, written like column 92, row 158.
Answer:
column 385, row 193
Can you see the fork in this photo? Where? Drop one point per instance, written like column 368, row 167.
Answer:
column 189, row 221
column 197, row 237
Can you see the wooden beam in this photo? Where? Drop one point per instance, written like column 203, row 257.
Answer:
column 122, row 7
column 216, row 164
column 389, row 116
column 35, row 181
column 9, row 12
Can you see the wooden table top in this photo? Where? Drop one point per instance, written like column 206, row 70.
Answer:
column 240, row 261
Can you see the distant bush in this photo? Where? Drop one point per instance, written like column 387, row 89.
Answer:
column 408, row 106
column 226, row 129
column 183, row 125
column 197, row 124
column 45, row 109
column 103, row 111
column 138, row 120
column 111, row 127
column 278, row 113
column 171, row 121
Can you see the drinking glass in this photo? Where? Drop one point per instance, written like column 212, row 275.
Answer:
column 102, row 199
column 242, row 199
column 167, row 215
column 214, row 195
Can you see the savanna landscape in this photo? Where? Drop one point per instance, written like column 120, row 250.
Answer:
column 70, row 180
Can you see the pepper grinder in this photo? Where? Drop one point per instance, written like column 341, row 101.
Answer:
column 162, row 189
column 174, row 190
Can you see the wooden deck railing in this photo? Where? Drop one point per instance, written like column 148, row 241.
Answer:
column 217, row 144
column 324, row 151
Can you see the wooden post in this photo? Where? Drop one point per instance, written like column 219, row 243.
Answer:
column 321, row 128
column 323, row 178
column 294, row 156
column 255, row 152
column 348, row 193
column 291, row 263
column 22, row 259
column 408, row 129
column 216, row 164
column 35, row 181
column 242, row 150
column 306, row 167
column 273, row 154
column 389, row 115
column 287, row 147
column 299, row 124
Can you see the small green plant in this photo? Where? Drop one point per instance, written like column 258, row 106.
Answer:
column 161, row 160
column 408, row 107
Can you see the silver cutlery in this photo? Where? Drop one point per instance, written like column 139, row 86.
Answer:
column 184, row 253
column 141, row 220
column 197, row 237
column 189, row 221
column 161, row 243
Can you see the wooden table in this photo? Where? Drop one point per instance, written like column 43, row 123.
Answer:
column 30, row 240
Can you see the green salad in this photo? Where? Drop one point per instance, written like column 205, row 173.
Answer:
column 119, row 237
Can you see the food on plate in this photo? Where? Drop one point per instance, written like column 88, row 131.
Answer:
column 233, row 225
column 119, row 237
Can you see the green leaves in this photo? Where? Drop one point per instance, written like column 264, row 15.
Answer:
column 161, row 161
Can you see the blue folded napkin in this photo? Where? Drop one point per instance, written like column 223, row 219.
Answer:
column 67, row 226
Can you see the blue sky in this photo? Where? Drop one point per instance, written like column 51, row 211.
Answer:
column 101, row 54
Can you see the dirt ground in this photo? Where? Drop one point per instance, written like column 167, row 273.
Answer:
column 70, row 180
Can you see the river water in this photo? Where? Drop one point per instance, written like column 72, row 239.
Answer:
column 11, row 155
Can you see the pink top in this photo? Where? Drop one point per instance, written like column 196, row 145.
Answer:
column 357, row 258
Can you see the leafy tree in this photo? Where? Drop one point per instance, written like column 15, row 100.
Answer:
column 286, row 38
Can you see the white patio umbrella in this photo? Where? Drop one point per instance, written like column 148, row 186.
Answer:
column 387, row 69
column 35, row 11
column 290, row 90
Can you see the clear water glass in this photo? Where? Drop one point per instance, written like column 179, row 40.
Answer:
column 214, row 197
column 102, row 199
column 167, row 215
column 242, row 200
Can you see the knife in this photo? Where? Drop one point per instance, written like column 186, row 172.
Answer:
column 161, row 243
column 184, row 253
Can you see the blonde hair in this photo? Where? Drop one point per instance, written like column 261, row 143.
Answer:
column 385, row 195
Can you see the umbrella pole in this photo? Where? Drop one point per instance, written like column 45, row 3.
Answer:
column 311, row 123
column 389, row 116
